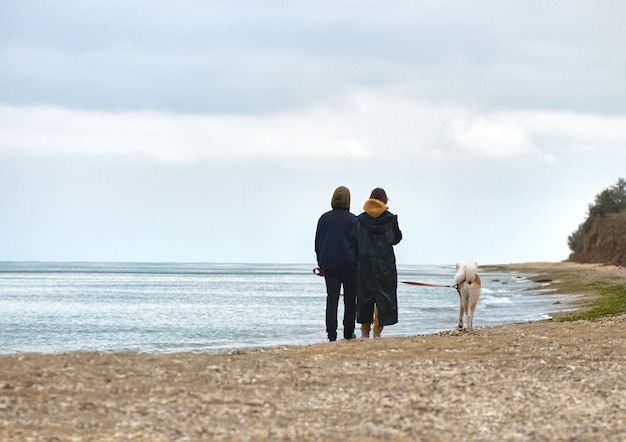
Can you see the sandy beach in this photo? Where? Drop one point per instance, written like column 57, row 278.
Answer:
column 548, row 380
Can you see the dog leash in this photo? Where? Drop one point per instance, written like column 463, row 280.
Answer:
column 319, row 272
column 429, row 285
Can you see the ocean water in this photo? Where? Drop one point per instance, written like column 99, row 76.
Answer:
column 174, row 307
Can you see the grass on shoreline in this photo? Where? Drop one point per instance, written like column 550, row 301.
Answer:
column 607, row 293
column 610, row 301
column 608, row 296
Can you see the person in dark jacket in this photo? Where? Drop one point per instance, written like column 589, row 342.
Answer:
column 336, row 257
column 375, row 233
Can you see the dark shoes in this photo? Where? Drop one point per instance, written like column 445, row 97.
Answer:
column 333, row 338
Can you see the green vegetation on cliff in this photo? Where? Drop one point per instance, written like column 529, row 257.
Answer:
column 602, row 237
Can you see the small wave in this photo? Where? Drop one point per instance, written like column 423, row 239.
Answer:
column 496, row 300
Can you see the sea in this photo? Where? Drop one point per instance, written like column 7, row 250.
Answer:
column 59, row 307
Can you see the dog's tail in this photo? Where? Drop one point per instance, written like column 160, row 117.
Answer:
column 470, row 271
column 466, row 272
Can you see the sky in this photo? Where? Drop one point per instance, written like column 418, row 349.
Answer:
column 212, row 131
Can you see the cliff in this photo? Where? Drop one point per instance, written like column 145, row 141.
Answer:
column 602, row 240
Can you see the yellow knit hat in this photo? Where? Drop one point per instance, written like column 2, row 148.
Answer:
column 341, row 198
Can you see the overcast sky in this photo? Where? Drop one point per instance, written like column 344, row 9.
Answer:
column 211, row 131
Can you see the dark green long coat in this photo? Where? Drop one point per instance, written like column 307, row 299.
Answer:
column 374, row 238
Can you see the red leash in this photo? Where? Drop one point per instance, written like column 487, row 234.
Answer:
column 426, row 284
column 319, row 272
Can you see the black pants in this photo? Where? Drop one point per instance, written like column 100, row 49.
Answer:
column 334, row 280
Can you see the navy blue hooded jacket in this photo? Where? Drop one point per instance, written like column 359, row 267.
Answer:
column 332, row 240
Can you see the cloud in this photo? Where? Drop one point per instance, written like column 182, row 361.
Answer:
column 247, row 58
column 578, row 131
column 361, row 125
column 537, row 133
column 492, row 135
column 170, row 137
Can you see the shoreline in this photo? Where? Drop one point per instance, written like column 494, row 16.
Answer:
column 550, row 275
column 507, row 297
column 567, row 278
column 542, row 380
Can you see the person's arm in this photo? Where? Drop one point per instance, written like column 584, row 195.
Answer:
column 397, row 232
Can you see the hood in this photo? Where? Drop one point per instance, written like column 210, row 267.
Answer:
column 374, row 207
column 341, row 198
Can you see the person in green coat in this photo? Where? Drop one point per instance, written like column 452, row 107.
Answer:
column 374, row 234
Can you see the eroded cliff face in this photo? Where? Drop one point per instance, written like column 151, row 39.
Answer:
column 603, row 240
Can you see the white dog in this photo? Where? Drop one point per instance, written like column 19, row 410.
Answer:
column 468, row 285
